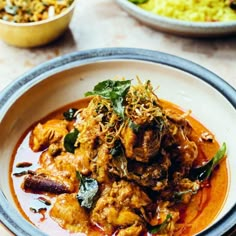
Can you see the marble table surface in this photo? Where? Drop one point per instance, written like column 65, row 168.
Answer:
column 102, row 23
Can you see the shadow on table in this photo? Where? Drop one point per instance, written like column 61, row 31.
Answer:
column 65, row 40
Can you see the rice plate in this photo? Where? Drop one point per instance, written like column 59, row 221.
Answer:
column 192, row 10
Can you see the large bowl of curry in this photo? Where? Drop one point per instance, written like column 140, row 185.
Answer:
column 118, row 141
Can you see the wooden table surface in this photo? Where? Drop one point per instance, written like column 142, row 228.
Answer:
column 102, row 23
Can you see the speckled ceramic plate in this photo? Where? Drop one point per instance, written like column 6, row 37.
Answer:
column 179, row 27
column 65, row 79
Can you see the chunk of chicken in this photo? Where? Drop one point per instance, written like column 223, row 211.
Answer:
column 185, row 151
column 62, row 168
column 144, row 144
column 84, row 154
column 133, row 230
column 118, row 206
column 68, row 213
column 99, row 165
column 154, row 176
column 79, row 161
column 45, row 134
column 165, row 218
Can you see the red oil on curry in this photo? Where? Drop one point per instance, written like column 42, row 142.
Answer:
column 202, row 210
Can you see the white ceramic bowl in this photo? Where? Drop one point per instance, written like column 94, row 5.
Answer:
column 65, row 79
column 179, row 27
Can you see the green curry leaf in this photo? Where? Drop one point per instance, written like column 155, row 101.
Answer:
column 117, row 150
column 157, row 228
column 87, row 191
column 69, row 141
column 135, row 127
column 70, row 114
column 113, row 90
column 203, row 172
column 138, row 1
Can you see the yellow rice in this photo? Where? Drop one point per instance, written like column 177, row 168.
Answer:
column 192, row 10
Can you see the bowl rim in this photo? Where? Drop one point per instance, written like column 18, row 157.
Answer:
column 9, row 215
column 27, row 24
column 172, row 21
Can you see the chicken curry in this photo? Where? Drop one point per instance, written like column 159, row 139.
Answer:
column 120, row 162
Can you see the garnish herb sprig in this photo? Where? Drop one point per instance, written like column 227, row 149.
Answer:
column 113, row 90
column 157, row 228
column 69, row 141
column 203, row 172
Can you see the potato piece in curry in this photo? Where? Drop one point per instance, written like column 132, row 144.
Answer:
column 124, row 164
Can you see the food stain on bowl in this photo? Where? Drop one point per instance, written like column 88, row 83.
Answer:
column 121, row 161
column 34, row 23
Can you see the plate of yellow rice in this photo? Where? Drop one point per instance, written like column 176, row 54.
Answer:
column 206, row 18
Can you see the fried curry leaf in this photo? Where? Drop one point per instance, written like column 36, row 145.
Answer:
column 203, row 172
column 114, row 91
column 87, row 191
column 70, row 114
column 134, row 127
column 157, row 228
column 80, row 178
column 69, row 141
column 117, row 150
column 119, row 161
column 138, row 1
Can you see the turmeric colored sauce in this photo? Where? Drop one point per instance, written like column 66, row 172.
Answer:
column 199, row 214
column 206, row 204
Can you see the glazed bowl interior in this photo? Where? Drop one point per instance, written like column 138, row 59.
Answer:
column 66, row 79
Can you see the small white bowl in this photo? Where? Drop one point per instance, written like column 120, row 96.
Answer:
column 65, row 79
